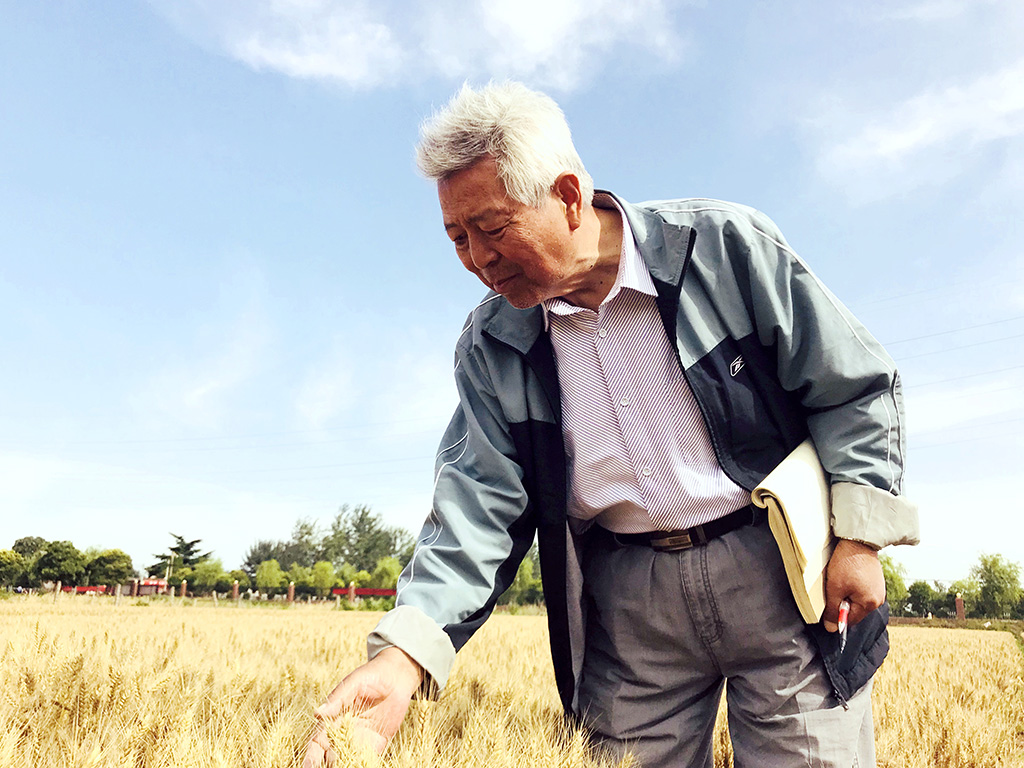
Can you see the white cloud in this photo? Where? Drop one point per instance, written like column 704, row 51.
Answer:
column 554, row 43
column 315, row 39
column 991, row 107
column 364, row 45
column 929, row 137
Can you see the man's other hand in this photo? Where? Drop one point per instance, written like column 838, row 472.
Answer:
column 377, row 694
column 855, row 574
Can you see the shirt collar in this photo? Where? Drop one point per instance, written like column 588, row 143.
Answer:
column 631, row 274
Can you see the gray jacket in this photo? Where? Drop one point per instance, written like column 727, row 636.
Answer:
column 771, row 357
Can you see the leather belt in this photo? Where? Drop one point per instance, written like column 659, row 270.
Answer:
column 675, row 541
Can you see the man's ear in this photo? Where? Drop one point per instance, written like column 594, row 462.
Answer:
column 567, row 190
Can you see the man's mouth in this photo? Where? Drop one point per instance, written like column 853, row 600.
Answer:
column 503, row 282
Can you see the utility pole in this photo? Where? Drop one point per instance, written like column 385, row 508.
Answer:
column 167, row 573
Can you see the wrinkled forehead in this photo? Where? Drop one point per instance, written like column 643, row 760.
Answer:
column 473, row 192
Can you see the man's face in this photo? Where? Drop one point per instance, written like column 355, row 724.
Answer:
column 524, row 253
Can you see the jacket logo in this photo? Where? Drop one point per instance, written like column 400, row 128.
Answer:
column 736, row 366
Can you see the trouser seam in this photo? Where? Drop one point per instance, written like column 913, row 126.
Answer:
column 712, row 603
column 693, row 603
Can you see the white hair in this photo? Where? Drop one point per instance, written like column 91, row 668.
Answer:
column 523, row 130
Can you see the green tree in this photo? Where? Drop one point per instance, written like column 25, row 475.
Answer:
column 260, row 552
column 29, row 546
column 305, row 547
column 178, row 575
column 31, row 549
column 348, row 574
column 923, row 598
column 999, row 582
column 208, row 576
column 61, row 561
column 324, row 577
column 29, row 576
column 110, row 567
column 305, row 544
column 359, row 537
column 244, row 582
column 526, row 588
column 938, row 607
column 269, row 577
column 11, row 566
column 406, row 547
column 181, row 553
column 895, row 585
column 301, row 577
column 385, row 574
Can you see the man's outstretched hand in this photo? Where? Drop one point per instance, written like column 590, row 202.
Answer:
column 853, row 574
column 377, row 694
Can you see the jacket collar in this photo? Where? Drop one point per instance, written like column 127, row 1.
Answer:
column 661, row 247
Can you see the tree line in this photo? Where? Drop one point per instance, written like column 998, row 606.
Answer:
column 356, row 546
column 992, row 590
column 33, row 561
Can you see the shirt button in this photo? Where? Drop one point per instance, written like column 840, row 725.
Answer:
column 623, row 402
column 646, row 471
column 602, row 332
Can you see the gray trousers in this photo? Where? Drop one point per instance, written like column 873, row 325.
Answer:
column 667, row 630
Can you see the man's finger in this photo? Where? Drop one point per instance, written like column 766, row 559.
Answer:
column 314, row 756
column 830, row 616
column 319, row 751
column 345, row 697
column 858, row 610
column 366, row 735
column 328, row 711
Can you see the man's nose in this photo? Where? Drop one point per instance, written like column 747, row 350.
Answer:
column 481, row 253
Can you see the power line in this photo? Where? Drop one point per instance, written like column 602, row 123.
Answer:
column 983, row 393
column 250, row 447
column 982, row 425
column 316, row 466
column 354, row 428
column 968, row 376
column 348, row 428
column 960, row 427
column 962, row 346
column 935, row 289
column 966, row 440
column 954, row 330
column 153, row 476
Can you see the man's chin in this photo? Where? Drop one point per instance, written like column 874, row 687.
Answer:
column 519, row 301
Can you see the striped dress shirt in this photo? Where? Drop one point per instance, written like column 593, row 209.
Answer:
column 638, row 451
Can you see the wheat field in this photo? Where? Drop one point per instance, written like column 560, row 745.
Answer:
column 85, row 683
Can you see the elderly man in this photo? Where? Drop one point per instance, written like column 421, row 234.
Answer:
column 636, row 370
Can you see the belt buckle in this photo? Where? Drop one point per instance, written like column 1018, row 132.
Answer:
column 674, row 543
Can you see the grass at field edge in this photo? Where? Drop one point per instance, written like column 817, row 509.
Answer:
column 1014, row 626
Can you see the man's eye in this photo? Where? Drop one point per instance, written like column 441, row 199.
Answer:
column 460, row 241
column 494, row 232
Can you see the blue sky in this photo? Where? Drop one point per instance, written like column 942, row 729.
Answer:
column 228, row 302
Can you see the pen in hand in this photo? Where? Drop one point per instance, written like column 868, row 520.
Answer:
column 844, row 615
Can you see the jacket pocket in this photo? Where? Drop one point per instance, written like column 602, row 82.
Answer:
column 867, row 644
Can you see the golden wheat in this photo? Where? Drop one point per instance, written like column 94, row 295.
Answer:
column 949, row 697
column 88, row 684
